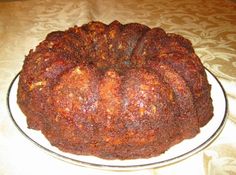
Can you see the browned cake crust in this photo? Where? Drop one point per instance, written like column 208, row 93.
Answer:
column 114, row 91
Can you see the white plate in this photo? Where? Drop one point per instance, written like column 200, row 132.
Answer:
column 176, row 153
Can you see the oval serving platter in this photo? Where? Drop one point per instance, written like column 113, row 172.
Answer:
column 181, row 151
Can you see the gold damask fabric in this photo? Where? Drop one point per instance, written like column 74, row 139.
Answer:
column 210, row 25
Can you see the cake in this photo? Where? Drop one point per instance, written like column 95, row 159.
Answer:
column 117, row 91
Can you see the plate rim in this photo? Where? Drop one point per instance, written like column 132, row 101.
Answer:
column 125, row 167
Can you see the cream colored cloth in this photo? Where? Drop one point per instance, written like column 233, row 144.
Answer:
column 210, row 25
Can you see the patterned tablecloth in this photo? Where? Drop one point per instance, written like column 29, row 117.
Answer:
column 210, row 25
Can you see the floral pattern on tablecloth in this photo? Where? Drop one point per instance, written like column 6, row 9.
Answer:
column 210, row 25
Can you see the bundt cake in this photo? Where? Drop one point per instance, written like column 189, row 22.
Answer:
column 114, row 91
